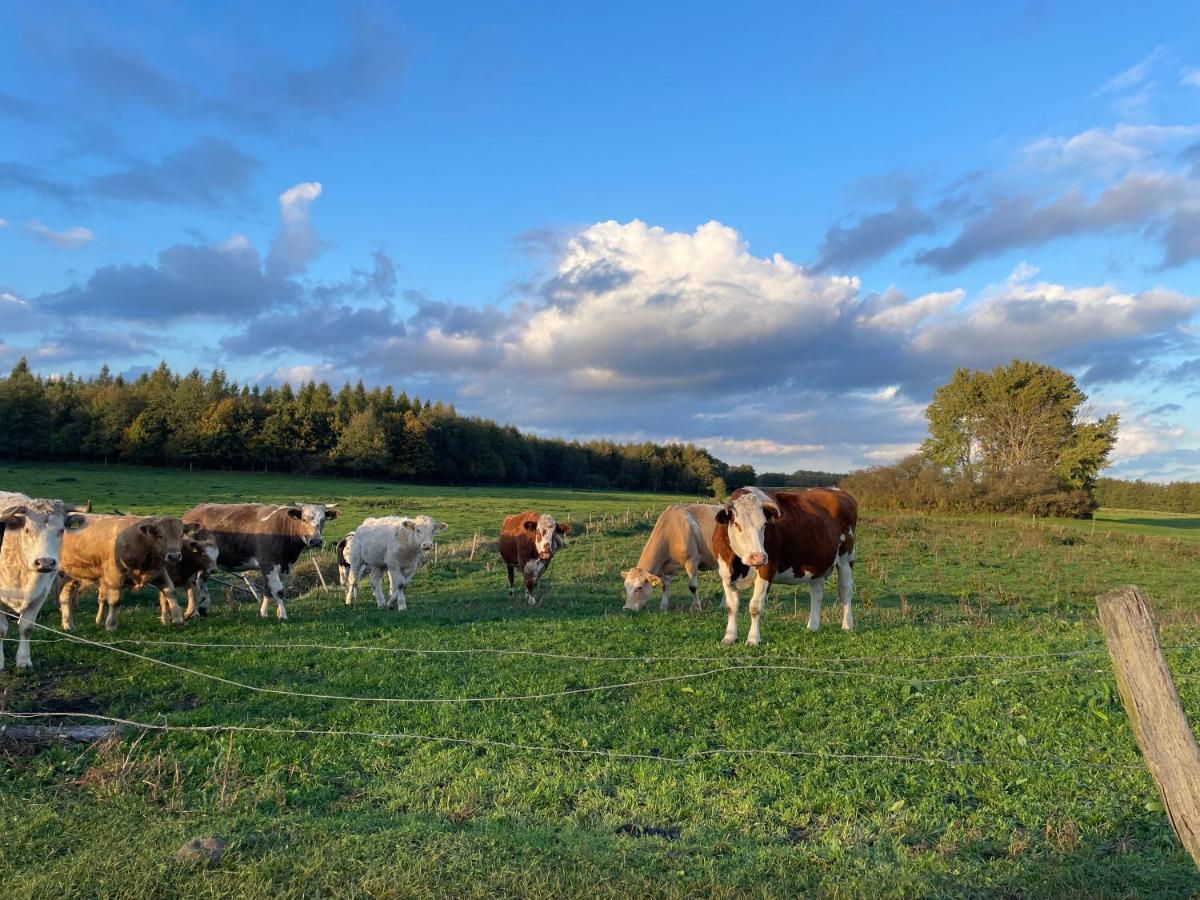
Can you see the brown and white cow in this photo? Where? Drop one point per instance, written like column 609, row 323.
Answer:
column 787, row 537
column 118, row 552
column 528, row 541
column 31, row 538
column 261, row 536
column 198, row 559
column 681, row 540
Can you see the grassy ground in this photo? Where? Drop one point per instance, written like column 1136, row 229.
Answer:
column 1019, row 777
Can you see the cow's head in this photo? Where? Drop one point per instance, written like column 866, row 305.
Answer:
column 422, row 530
column 200, row 553
column 163, row 536
column 312, row 518
column 638, row 585
column 547, row 535
column 34, row 529
column 746, row 517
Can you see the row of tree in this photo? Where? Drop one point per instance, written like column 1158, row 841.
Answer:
column 1177, row 496
column 163, row 418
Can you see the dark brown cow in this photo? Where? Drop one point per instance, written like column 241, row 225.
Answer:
column 118, row 552
column 199, row 559
column 789, row 537
column 263, row 537
column 528, row 542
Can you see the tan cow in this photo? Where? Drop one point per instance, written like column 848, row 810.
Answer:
column 681, row 541
column 117, row 552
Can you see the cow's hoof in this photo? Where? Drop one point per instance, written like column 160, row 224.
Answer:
column 750, row 643
column 25, row 667
column 203, row 611
column 814, row 627
column 728, row 642
column 110, row 628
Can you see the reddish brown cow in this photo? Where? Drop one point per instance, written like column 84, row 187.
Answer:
column 528, row 542
column 789, row 537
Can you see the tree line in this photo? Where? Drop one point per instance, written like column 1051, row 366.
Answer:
column 1176, row 496
column 165, row 418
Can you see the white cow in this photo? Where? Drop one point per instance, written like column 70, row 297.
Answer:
column 393, row 544
column 30, row 548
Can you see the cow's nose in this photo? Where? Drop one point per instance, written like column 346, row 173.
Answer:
column 545, row 554
column 45, row 564
column 174, row 557
column 756, row 559
column 316, row 543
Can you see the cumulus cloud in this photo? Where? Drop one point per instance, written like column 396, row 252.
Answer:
column 68, row 239
column 187, row 282
column 297, row 243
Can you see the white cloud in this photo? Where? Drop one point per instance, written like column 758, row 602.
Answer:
column 1190, row 78
column 882, row 454
column 68, row 239
column 1141, row 437
column 1136, row 74
column 297, row 243
column 899, row 314
column 1105, row 149
column 3, row 223
column 741, row 448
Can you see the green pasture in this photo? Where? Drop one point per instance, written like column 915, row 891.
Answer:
column 965, row 740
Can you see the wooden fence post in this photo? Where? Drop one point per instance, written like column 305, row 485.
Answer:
column 1157, row 719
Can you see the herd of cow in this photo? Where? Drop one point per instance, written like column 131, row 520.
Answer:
column 758, row 537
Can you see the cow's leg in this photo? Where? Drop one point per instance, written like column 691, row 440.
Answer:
column 845, row 569
column 533, row 571
column 511, row 590
column 376, row 576
column 199, row 598
column 396, row 599
column 352, row 577
column 101, row 603
column 731, row 606
column 816, row 593
column 170, row 613
column 758, row 600
column 275, row 586
column 114, row 597
column 693, row 574
column 68, row 599
column 24, row 630
column 3, row 634
column 666, row 600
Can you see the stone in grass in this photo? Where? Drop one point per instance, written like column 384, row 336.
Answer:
column 201, row 849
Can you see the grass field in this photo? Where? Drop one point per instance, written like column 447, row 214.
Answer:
column 965, row 740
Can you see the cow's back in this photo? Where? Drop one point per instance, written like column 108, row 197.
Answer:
column 379, row 539
column 241, row 531
column 704, row 517
column 516, row 542
column 88, row 551
column 816, row 526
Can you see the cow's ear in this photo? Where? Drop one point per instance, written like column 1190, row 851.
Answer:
column 723, row 515
column 147, row 529
column 409, row 524
column 531, row 526
column 10, row 519
column 439, row 527
column 625, row 574
column 74, row 522
column 295, row 513
column 771, row 511
column 564, row 527
column 654, row 580
column 192, row 528
column 330, row 513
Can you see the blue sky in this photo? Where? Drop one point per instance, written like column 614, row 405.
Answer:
column 771, row 229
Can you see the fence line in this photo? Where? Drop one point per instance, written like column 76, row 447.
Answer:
column 583, row 657
column 567, row 692
column 982, row 762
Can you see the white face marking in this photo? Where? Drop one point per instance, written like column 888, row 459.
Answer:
column 423, row 528
column 546, row 538
column 313, row 515
column 748, row 524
